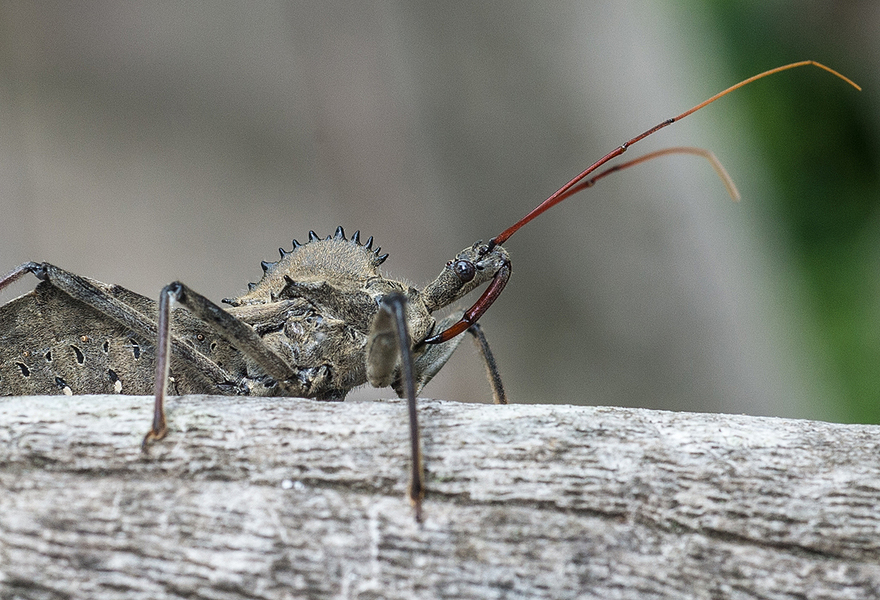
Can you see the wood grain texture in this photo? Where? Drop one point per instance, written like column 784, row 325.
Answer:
column 255, row 498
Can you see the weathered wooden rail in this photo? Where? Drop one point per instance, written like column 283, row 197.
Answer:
column 254, row 498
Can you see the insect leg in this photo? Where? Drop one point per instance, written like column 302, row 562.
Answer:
column 389, row 345
column 16, row 273
column 430, row 358
column 239, row 334
column 492, row 372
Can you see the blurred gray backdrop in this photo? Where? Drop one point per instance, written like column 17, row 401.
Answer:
column 146, row 142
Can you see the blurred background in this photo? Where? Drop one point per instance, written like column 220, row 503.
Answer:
column 146, row 142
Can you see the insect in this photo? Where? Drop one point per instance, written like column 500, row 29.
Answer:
column 321, row 321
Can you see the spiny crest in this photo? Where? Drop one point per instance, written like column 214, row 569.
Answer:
column 334, row 259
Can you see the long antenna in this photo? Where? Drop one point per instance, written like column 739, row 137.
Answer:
column 567, row 190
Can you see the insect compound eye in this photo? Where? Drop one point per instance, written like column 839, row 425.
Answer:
column 465, row 270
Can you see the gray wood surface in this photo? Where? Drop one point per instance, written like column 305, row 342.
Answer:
column 254, row 498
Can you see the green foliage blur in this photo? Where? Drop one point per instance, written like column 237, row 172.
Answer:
column 828, row 171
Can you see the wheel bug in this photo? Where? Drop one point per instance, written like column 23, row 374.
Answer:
column 321, row 321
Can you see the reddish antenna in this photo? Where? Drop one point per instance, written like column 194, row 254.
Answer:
column 581, row 182
column 569, row 188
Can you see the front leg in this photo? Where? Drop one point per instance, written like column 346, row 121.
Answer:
column 389, row 347
column 430, row 358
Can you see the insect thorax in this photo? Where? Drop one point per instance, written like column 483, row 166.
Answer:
column 315, row 307
column 335, row 260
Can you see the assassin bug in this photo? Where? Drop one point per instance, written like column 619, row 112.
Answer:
column 321, row 321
